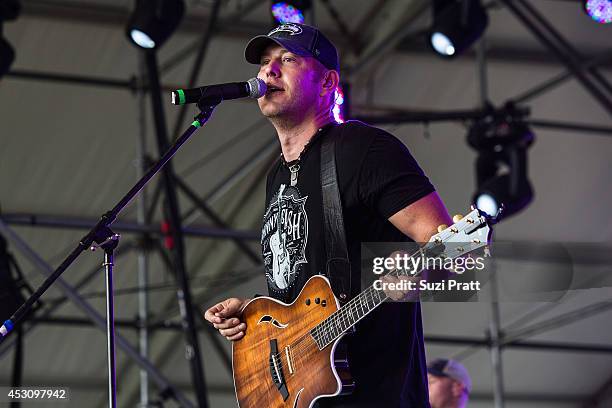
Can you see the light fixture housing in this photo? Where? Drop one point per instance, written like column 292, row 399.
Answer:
column 457, row 24
column 292, row 11
column 153, row 21
column 498, row 192
column 599, row 10
column 501, row 166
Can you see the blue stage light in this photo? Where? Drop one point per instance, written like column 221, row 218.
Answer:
column 287, row 13
column 599, row 10
column 291, row 11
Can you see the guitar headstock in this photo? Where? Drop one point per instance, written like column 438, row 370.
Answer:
column 467, row 234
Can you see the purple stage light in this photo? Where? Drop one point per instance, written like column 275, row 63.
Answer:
column 338, row 109
column 599, row 10
column 287, row 13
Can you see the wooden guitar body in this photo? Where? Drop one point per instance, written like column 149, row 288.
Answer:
column 278, row 363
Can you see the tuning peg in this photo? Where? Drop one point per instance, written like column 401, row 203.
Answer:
column 442, row 227
column 457, row 217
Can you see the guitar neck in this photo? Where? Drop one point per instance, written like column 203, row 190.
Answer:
column 353, row 311
column 468, row 234
column 346, row 317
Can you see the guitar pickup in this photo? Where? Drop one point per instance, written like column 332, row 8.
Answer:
column 276, row 370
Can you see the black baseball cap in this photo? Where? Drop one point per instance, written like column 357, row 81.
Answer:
column 299, row 39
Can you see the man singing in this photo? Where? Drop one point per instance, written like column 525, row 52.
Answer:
column 385, row 197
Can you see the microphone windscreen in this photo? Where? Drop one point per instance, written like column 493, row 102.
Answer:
column 257, row 88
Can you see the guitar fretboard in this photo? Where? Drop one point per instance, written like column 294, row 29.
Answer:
column 353, row 311
column 469, row 233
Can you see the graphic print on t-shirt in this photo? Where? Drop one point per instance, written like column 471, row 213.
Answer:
column 284, row 237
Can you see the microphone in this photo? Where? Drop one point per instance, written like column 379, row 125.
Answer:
column 253, row 88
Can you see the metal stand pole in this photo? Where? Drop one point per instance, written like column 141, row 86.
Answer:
column 494, row 324
column 110, row 323
column 17, row 365
column 143, row 252
column 496, row 360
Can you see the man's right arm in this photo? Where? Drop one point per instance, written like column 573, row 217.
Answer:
column 226, row 317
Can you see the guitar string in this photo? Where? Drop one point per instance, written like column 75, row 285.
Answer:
column 323, row 329
column 327, row 331
column 348, row 311
column 298, row 349
column 344, row 314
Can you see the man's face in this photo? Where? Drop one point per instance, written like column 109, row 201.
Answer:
column 440, row 391
column 293, row 83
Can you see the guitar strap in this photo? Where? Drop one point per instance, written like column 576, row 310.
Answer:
column 338, row 267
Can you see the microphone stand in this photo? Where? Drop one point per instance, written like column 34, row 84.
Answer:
column 101, row 236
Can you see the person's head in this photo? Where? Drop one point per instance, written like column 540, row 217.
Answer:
column 300, row 67
column 449, row 384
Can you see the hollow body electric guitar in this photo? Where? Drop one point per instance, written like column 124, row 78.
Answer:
column 287, row 357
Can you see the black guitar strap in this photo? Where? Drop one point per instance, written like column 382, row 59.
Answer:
column 338, row 267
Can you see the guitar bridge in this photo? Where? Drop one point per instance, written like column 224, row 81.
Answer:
column 276, row 370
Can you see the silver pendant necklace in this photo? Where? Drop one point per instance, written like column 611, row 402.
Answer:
column 294, row 169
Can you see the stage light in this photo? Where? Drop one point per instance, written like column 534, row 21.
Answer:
column 153, row 21
column 337, row 110
column 342, row 106
column 141, row 39
column 599, row 10
column 442, row 44
column 497, row 192
column 457, row 24
column 290, row 11
column 501, row 166
column 487, row 203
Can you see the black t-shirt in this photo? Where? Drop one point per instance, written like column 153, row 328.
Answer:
column 377, row 177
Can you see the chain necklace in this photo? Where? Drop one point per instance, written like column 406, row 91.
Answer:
column 294, row 165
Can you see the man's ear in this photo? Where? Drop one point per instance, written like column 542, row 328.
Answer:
column 330, row 82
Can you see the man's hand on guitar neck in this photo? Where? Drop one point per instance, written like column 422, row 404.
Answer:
column 225, row 317
column 395, row 280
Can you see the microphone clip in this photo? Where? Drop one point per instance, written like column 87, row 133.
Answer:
column 207, row 103
column 206, row 110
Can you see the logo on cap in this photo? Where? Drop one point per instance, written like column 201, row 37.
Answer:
column 292, row 29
